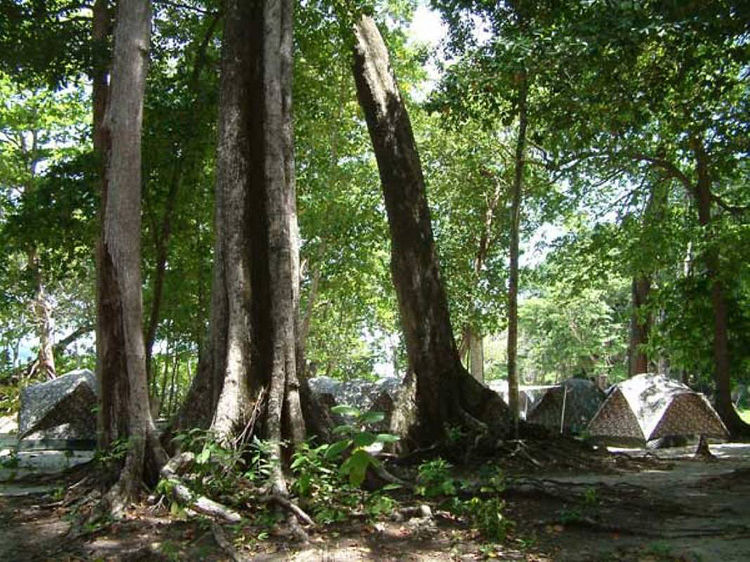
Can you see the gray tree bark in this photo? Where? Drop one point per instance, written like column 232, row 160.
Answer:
column 122, row 230
column 722, row 363
column 444, row 392
column 476, row 355
column 640, row 326
column 252, row 349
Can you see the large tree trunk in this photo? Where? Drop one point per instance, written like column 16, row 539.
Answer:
column 640, row 326
column 254, row 292
column 515, row 227
column 722, row 375
column 110, row 357
column 122, row 231
column 445, row 392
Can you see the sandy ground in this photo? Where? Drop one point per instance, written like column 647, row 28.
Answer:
column 685, row 509
column 672, row 508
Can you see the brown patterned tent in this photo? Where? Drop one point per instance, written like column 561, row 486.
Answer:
column 651, row 406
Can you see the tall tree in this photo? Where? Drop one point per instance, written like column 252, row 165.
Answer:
column 677, row 105
column 251, row 357
column 515, row 231
column 445, row 392
column 126, row 390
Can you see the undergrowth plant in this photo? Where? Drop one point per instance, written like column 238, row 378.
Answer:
column 483, row 511
column 328, row 477
column 356, row 441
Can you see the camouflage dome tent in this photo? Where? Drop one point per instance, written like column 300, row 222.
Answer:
column 567, row 407
column 651, row 406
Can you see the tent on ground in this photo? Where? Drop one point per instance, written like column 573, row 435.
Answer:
column 528, row 395
column 568, row 406
column 652, row 406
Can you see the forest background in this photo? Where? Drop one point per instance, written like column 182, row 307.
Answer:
column 633, row 123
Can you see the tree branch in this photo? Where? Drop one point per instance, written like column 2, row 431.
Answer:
column 736, row 210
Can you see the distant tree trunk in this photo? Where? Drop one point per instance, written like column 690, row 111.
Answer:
column 722, row 376
column 515, row 227
column 128, row 391
column 444, row 392
column 163, row 233
column 640, row 326
column 42, row 309
column 163, row 390
column 476, row 355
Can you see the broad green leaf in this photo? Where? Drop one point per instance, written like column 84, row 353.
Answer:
column 337, row 448
column 344, row 410
column 364, row 439
column 372, row 417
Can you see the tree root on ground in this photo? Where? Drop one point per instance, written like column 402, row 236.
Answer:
column 182, row 493
column 226, row 545
column 381, row 472
column 205, row 506
column 289, row 505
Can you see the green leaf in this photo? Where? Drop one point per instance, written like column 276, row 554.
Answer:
column 386, row 438
column 364, row 439
column 344, row 410
column 204, row 455
column 337, row 448
column 372, row 417
column 356, row 466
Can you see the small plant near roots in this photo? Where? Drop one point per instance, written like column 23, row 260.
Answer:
column 434, row 479
column 10, row 462
column 327, row 477
column 356, row 441
column 483, row 512
column 660, row 550
column 114, row 454
column 224, row 470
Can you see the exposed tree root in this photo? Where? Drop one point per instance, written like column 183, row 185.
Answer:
column 182, row 493
column 226, row 545
column 289, row 505
column 383, row 473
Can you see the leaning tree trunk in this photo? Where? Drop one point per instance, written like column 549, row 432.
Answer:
column 164, row 230
column 722, row 376
column 122, row 232
column 445, row 393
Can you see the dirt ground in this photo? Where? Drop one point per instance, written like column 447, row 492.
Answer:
column 636, row 505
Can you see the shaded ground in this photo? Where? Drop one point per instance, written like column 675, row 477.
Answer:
column 631, row 506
